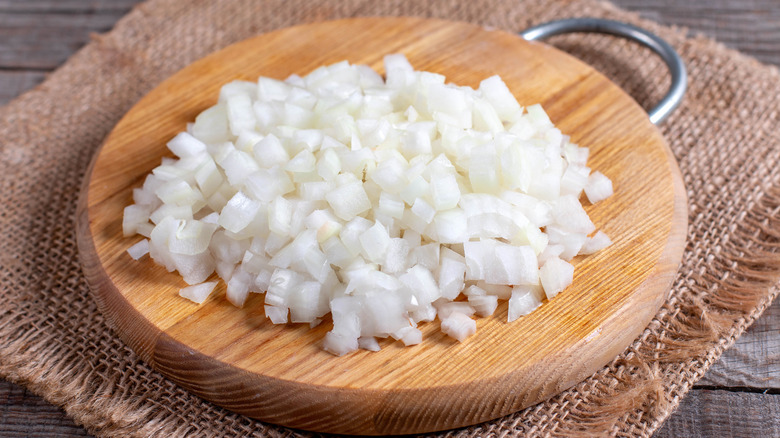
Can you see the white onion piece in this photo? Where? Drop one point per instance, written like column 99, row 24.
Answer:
column 458, row 326
column 523, row 301
column 198, row 292
column 484, row 305
column 277, row 314
column 139, row 250
column 555, row 275
column 410, row 335
column 599, row 241
column 385, row 202
column 446, row 308
column 339, row 343
column 368, row 343
column 598, row 188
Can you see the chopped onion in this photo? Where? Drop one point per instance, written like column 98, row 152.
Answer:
column 555, row 275
column 596, row 243
column 198, row 292
column 384, row 202
column 598, row 188
column 458, row 326
column 139, row 250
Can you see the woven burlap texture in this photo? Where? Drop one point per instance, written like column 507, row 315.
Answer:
column 54, row 341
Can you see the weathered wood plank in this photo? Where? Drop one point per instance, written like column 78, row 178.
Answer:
column 751, row 26
column 754, row 360
column 714, row 413
column 72, row 6
column 38, row 39
column 23, row 414
column 14, row 83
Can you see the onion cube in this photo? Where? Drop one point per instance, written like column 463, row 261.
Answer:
column 134, row 215
column 391, row 205
column 272, row 89
column 411, row 221
column 383, row 314
column 349, row 200
column 350, row 234
column 447, row 308
column 307, row 302
column 329, row 165
column 277, row 314
column 484, row 305
column 280, row 215
column 270, row 152
column 397, row 69
column 191, row 237
column 409, row 335
column 423, row 210
column 417, row 188
column 451, row 226
column 538, row 117
column 238, row 287
column 185, row 145
column 596, row 243
column 211, row 126
column 336, row 252
column 178, row 192
column 522, row 303
column 444, row 191
column 193, row 269
column 485, row 117
column 303, row 162
column 484, row 169
column 375, row 242
column 555, row 275
column 396, row 256
column 139, row 249
column 238, row 213
column 574, row 180
column 198, row 292
column 241, row 116
column 389, row 175
column 458, row 326
column 500, row 263
column 452, row 272
column 598, row 188
column 502, row 291
column 420, row 282
column 519, row 263
column 339, row 344
column 569, row 214
column 368, row 343
column 495, row 91
column 283, row 283
column 267, row 184
column 209, row 178
column 236, row 88
column 426, row 255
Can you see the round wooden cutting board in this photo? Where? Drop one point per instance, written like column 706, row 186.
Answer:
column 237, row 359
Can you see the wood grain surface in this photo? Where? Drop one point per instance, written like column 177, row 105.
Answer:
column 755, row 356
column 440, row 384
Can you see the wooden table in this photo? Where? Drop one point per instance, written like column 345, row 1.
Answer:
column 739, row 396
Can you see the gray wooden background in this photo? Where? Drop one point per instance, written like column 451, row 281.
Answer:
column 739, row 396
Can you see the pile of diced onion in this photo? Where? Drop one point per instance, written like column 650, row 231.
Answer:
column 384, row 202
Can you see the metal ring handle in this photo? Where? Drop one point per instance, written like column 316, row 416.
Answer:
column 596, row 25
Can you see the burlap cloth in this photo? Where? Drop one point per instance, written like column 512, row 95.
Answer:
column 54, row 341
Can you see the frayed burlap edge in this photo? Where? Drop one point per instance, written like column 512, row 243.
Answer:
column 631, row 396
